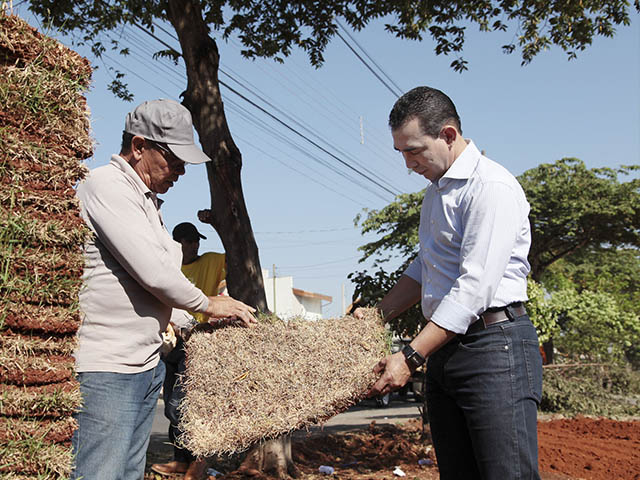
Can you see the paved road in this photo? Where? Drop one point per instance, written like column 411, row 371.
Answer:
column 357, row 417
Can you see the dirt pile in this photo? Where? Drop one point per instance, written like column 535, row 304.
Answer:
column 43, row 140
column 245, row 385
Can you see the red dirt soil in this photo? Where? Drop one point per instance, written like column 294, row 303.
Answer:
column 586, row 448
column 570, row 449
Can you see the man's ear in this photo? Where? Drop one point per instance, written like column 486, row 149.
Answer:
column 449, row 133
column 138, row 144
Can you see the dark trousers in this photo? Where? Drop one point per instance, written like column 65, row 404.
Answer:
column 483, row 390
column 172, row 394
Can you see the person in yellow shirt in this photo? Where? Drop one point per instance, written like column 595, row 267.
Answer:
column 206, row 271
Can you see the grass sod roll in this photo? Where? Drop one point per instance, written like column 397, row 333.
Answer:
column 245, row 385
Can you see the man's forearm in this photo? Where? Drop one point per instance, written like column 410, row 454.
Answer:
column 431, row 338
column 402, row 296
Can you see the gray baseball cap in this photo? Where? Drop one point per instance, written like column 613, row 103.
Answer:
column 166, row 121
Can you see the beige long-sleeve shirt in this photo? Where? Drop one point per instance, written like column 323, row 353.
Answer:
column 132, row 276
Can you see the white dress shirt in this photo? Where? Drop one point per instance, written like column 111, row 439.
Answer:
column 474, row 240
column 132, row 277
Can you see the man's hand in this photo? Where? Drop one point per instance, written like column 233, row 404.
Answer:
column 359, row 313
column 395, row 374
column 227, row 307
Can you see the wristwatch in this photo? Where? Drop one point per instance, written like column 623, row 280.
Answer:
column 413, row 358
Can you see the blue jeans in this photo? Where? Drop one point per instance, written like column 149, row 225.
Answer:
column 483, row 390
column 114, row 424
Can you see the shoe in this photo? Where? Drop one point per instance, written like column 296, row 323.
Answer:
column 197, row 470
column 170, row 468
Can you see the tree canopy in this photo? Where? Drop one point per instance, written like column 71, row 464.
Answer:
column 574, row 208
column 273, row 29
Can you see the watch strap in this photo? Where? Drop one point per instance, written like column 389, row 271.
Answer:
column 413, row 358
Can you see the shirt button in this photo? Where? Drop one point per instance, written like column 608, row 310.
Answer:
column 432, row 222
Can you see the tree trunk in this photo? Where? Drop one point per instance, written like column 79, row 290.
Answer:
column 202, row 97
column 228, row 211
column 272, row 458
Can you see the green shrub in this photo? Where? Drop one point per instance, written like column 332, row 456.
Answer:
column 602, row 390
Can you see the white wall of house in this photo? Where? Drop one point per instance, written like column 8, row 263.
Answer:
column 291, row 302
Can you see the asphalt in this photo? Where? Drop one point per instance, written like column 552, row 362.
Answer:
column 357, row 417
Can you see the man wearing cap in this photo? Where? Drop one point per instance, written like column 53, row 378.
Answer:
column 206, row 271
column 132, row 282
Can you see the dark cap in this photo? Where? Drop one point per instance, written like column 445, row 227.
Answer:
column 187, row 231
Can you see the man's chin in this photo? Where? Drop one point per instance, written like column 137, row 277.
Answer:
column 164, row 188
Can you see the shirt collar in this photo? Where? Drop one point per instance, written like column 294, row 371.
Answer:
column 463, row 166
column 128, row 170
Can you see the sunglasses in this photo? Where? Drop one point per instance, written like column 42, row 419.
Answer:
column 169, row 156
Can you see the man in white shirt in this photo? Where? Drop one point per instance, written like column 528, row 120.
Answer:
column 484, row 370
column 132, row 283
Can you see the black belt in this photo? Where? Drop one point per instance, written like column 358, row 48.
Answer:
column 497, row 315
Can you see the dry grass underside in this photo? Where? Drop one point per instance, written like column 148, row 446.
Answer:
column 246, row 385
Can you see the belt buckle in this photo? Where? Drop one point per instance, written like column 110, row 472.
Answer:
column 508, row 310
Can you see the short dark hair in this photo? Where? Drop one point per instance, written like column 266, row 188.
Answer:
column 125, row 147
column 430, row 106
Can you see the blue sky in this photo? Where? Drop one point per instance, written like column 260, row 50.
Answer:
column 301, row 211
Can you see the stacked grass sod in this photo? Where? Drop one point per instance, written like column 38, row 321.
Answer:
column 44, row 138
column 245, row 385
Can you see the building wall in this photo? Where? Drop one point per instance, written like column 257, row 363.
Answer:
column 287, row 304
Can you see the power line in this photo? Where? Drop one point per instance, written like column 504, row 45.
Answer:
column 244, row 114
column 369, row 57
column 318, row 264
column 332, row 105
column 135, row 74
column 272, row 116
column 393, row 92
column 308, row 129
column 315, row 144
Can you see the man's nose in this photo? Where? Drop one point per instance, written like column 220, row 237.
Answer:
column 408, row 161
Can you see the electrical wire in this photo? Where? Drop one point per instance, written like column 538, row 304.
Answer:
column 393, row 92
column 398, row 89
column 250, row 117
column 278, row 120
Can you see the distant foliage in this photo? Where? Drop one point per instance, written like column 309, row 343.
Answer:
column 574, row 209
column 541, row 311
column 586, row 326
column 602, row 390
column 594, row 327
